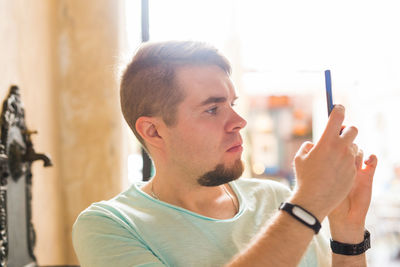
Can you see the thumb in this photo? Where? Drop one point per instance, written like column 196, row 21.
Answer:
column 304, row 149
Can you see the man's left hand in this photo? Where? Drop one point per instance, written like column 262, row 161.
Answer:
column 347, row 221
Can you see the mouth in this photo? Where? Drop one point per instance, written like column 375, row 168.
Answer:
column 235, row 148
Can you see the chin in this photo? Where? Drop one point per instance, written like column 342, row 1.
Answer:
column 222, row 174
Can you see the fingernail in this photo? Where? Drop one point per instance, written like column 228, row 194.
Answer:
column 338, row 106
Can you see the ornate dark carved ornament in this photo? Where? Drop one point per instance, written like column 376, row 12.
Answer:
column 17, row 235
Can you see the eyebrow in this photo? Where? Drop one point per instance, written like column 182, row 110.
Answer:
column 215, row 99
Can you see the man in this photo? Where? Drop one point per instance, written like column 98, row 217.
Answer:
column 178, row 99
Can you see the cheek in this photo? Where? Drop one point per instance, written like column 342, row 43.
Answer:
column 197, row 140
column 198, row 136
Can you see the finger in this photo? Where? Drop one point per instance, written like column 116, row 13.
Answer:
column 371, row 164
column 355, row 149
column 304, row 149
column 359, row 158
column 335, row 122
column 349, row 134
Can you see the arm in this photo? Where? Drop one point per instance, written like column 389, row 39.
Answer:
column 281, row 243
column 325, row 174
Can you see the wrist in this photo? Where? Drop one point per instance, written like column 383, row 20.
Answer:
column 352, row 249
column 310, row 205
column 347, row 233
column 302, row 215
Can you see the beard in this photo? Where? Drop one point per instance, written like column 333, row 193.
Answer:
column 221, row 175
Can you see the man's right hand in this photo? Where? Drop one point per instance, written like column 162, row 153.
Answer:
column 326, row 171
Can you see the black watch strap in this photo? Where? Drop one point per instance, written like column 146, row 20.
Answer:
column 351, row 249
column 302, row 215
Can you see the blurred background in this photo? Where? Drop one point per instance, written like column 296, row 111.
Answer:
column 67, row 57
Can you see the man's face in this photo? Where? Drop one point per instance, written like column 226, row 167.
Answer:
column 205, row 142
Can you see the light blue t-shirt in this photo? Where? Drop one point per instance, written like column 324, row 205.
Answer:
column 134, row 229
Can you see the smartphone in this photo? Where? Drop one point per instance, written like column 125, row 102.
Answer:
column 328, row 86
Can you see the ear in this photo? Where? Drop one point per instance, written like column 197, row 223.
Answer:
column 148, row 127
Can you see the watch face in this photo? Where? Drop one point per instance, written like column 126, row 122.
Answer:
column 304, row 215
column 301, row 215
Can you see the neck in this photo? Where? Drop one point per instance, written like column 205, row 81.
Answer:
column 216, row 202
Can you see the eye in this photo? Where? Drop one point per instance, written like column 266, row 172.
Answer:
column 234, row 101
column 212, row 110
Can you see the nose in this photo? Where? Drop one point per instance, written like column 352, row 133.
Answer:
column 235, row 123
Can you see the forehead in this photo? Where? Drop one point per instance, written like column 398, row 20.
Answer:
column 201, row 82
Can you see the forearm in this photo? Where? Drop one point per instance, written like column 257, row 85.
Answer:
column 282, row 242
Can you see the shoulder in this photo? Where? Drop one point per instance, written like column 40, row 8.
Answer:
column 113, row 210
column 113, row 216
column 107, row 233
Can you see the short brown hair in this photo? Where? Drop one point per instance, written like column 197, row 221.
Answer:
column 148, row 86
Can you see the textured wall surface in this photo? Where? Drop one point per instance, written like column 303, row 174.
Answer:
column 63, row 56
column 87, row 47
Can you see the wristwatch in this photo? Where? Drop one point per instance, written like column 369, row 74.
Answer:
column 302, row 215
column 352, row 249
